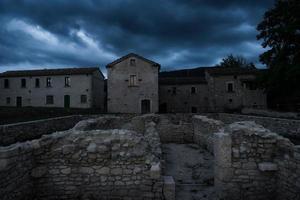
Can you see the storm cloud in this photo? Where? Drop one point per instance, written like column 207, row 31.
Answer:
column 175, row 33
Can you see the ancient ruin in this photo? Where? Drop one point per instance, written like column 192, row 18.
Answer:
column 170, row 156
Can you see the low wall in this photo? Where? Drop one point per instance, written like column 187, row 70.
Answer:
column 270, row 113
column 20, row 132
column 85, row 164
column 204, row 129
column 251, row 162
column 175, row 128
column 285, row 127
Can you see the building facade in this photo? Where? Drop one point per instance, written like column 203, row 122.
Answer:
column 69, row 88
column 209, row 89
column 132, row 85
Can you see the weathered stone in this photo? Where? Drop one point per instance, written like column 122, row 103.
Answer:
column 267, row 166
column 92, row 148
column 155, row 171
column 39, row 172
column 103, row 170
column 169, row 188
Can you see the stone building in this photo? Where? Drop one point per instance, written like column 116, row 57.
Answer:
column 69, row 87
column 132, row 85
column 209, row 89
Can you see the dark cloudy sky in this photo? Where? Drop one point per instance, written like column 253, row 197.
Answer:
column 175, row 33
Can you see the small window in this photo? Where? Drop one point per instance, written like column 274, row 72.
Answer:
column 83, row 99
column 6, row 83
column 193, row 90
column 23, row 83
column 132, row 62
column 230, row 100
column 49, row 82
column 174, row 90
column 67, row 82
column 230, row 87
column 194, row 109
column 49, row 99
column 132, row 80
column 37, row 82
column 7, row 100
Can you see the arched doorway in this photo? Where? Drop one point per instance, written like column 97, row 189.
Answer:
column 145, row 106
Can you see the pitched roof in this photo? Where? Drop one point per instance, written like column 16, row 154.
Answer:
column 51, row 72
column 184, row 76
column 181, row 80
column 223, row 71
column 132, row 55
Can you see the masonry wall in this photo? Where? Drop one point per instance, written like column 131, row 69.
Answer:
column 286, row 127
column 83, row 163
column 124, row 98
column 16, row 163
column 175, row 128
column 220, row 99
column 252, row 162
column 20, row 132
column 183, row 100
column 36, row 97
column 204, row 129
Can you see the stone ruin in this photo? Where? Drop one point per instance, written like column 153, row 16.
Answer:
column 127, row 157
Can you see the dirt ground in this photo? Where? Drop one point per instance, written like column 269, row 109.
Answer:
column 192, row 170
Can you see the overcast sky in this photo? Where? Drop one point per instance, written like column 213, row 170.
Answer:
column 174, row 33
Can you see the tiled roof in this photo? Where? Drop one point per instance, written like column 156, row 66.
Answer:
column 222, row 71
column 182, row 81
column 183, row 77
column 195, row 72
column 132, row 55
column 50, row 72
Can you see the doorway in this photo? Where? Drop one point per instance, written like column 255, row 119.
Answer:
column 145, row 104
column 67, row 101
column 19, row 102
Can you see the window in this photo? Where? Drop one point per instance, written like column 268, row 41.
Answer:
column 230, row 87
column 132, row 80
column 132, row 62
column 174, row 90
column 7, row 100
column 37, row 82
column 23, row 83
column 6, row 83
column 193, row 90
column 48, row 82
column 67, row 82
column 230, row 100
column 49, row 99
column 83, row 98
column 194, row 109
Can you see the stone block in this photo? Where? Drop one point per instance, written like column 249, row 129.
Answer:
column 267, row 166
column 155, row 171
column 39, row 172
column 169, row 188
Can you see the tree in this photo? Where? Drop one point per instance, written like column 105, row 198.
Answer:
column 280, row 34
column 235, row 62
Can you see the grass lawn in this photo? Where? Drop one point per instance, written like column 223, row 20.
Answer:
column 13, row 115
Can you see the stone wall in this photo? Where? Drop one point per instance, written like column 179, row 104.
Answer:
column 175, row 128
column 252, row 162
column 270, row 113
column 90, row 161
column 20, row 132
column 204, row 129
column 285, row 127
column 16, row 162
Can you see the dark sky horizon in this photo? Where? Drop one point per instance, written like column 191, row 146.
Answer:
column 175, row 33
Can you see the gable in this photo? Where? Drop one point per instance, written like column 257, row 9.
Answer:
column 132, row 55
